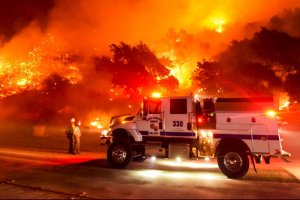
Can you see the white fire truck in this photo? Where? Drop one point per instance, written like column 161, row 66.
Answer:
column 233, row 130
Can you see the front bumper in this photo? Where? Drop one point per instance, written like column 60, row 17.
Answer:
column 104, row 140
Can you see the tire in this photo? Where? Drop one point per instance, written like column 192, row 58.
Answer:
column 119, row 154
column 234, row 163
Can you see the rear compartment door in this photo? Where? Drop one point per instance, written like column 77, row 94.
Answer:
column 259, row 136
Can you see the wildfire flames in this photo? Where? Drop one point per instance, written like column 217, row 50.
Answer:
column 28, row 71
column 96, row 124
column 181, row 70
column 74, row 32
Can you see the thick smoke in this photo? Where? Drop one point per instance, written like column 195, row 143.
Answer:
column 266, row 63
column 287, row 21
column 17, row 14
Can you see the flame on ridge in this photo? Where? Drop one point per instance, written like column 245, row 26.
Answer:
column 29, row 71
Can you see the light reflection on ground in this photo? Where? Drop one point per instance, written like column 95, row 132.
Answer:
column 154, row 174
column 170, row 165
column 194, row 165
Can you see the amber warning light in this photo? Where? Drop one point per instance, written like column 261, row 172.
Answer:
column 156, row 95
column 271, row 113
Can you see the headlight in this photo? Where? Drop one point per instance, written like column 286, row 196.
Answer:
column 104, row 133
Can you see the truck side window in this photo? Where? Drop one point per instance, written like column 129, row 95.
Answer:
column 178, row 106
column 154, row 106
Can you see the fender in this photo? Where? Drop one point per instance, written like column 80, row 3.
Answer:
column 131, row 130
column 136, row 135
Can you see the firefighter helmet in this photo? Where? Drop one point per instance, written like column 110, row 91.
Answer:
column 72, row 120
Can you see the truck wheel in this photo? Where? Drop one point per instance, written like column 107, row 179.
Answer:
column 119, row 154
column 233, row 163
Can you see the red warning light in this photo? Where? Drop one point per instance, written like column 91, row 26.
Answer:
column 200, row 120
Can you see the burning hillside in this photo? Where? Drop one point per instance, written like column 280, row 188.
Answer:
column 92, row 55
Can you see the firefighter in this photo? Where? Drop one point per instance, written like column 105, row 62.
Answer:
column 70, row 135
column 77, row 135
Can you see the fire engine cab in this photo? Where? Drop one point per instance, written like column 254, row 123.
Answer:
column 232, row 130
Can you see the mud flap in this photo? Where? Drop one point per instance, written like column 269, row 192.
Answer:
column 253, row 163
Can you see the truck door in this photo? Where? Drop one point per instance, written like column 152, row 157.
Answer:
column 259, row 139
column 177, row 115
column 150, row 123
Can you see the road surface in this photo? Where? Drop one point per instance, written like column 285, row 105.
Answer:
column 33, row 173
column 37, row 166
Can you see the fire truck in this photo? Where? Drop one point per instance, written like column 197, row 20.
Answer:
column 235, row 131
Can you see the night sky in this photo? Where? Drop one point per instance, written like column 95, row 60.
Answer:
column 17, row 14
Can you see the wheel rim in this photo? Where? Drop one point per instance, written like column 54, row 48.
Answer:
column 233, row 161
column 119, row 154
